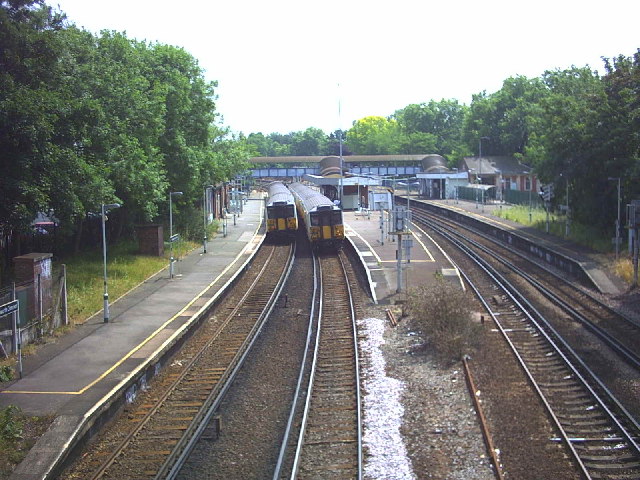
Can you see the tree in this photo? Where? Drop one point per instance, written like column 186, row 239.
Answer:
column 373, row 136
column 508, row 117
column 570, row 145
column 29, row 66
column 433, row 127
column 312, row 141
column 622, row 84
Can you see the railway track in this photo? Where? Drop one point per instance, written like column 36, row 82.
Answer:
column 617, row 331
column 329, row 444
column 166, row 426
column 598, row 432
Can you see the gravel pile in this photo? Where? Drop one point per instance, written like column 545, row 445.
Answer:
column 418, row 414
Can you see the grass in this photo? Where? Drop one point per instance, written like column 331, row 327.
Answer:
column 578, row 233
column 85, row 284
column 18, row 433
column 125, row 269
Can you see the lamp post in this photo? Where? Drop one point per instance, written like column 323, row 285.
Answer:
column 204, row 216
column 105, row 209
column 171, row 239
column 480, row 167
column 617, row 219
column 455, row 187
column 530, row 189
column 566, row 198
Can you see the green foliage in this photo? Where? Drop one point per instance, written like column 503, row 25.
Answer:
column 434, row 127
column 6, row 373
column 373, row 136
column 588, row 235
column 88, row 119
column 11, row 423
column 507, row 117
column 125, row 270
column 440, row 311
column 310, row 142
column 18, row 433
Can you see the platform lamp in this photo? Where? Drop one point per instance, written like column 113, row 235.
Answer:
column 480, row 167
column 171, row 239
column 617, row 219
column 105, row 209
column 455, row 188
column 530, row 173
column 204, row 216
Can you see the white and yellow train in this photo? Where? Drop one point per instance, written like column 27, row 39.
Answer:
column 322, row 219
column 282, row 219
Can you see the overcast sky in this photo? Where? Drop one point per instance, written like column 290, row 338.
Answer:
column 286, row 65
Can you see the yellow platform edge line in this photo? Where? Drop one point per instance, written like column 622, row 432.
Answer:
column 150, row 337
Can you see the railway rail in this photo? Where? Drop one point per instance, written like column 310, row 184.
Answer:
column 167, row 425
column 594, row 426
column 617, row 331
column 329, row 443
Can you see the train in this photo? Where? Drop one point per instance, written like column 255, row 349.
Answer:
column 322, row 219
column 282, row 217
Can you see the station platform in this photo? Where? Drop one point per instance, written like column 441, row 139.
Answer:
column 379, row 253
column 593, row 264
column 84, row 372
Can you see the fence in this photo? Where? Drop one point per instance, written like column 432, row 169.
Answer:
column 513, row 197
column 40, row 312
column 517, row 197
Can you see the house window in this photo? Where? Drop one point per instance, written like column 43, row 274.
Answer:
column 527, row 183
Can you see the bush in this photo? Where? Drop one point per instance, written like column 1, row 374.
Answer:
column 440, row 312
column 6, row 373
column 11, row 422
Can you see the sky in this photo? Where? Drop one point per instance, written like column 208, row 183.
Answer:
column 286, row 65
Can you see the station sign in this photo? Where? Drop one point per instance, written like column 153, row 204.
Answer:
column 174, row 238
column 8, row 308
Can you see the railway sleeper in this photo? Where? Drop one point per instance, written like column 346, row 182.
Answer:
column 587, row 430
column 615, row 466
column 613, row 458
column 595, row 415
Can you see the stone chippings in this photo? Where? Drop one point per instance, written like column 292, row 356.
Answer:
column 383, row 412
column 419, row 421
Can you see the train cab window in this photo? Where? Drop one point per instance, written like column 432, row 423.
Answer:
column 315, row 220
column 289, row 211
column 280, row 211
column 336, row 217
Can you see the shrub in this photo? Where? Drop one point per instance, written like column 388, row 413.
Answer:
column 440, row 312
column 6, row 373
column 11, row 421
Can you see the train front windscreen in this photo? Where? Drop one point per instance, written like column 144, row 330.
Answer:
column 281, row 211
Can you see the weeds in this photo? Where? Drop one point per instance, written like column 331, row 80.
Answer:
column 6, row 373
column 11, row 422
column 125, row 269
column 441, row 313
column 581, row 234
column 18, row 433
column 624, row 269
